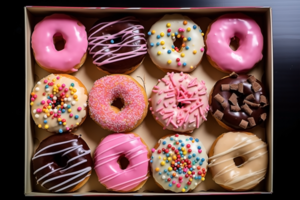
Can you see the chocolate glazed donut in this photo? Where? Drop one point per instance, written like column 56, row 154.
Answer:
column 117, row 46
column 62, row 163
column 238, row 102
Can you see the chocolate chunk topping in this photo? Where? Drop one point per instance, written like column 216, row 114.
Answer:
column 225, row 87
column 256, row 105
column 246, row 108
column 235, row 108
column 250, row 97
column 240, row 88
column 218, row 114
column 251, row 79
column 243, row 124
column 263, row 116
column 263, row 99
column 233, row 99
column 224, row 104
column 233, row 75
column 219, row 98
column 251, row 121
column 233, row 86
column 256, row 87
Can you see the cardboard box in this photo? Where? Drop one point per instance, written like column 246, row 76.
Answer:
column 149, row 130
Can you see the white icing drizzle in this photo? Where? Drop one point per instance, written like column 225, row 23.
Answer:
column 248, row 174
column 72, row 175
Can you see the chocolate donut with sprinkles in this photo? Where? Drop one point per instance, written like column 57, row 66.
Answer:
column 127, row 115
column 179, row 163
column 175, row 43
column 179, row 102
column 117, row 45
column 59, row 103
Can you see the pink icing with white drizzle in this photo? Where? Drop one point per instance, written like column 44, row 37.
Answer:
column 130, row 37
column 105, row 90
column 75, row 42
column 181, row 88
column 108, row 170
column 250, row 47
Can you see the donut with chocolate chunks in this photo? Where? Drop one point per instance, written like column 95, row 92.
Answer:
column 245, row 101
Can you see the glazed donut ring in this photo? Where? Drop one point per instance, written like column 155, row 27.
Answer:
column 247, row 146
column 109, row 88
column 59, row 103
column 238, row 102
column 218, row 37
column 162, row 36
column 47, row 32
column 110, row 174
column 62, row 163
column 179, row 102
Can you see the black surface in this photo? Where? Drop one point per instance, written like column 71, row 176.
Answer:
column 286, row 48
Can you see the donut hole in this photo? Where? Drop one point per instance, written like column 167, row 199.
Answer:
column 178, row 43
column 59, row 41
column 234, row 43
column 115, row 40
column 180, row 105
column 123, row 162
column 238, row 161
column 118, row 103
column 60, row 161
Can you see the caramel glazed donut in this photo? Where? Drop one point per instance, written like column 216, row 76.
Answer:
column 62, row 163
column 238, row 102
column 251, row 149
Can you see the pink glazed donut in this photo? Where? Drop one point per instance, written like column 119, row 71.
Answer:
column 245, row 31
column 58, row 29
column 107, row 158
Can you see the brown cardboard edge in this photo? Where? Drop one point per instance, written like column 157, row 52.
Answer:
column 270, row 81
column 29, row 84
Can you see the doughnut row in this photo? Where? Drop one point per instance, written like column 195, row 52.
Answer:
column 118, row 103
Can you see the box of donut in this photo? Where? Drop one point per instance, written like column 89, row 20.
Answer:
column 148, row 102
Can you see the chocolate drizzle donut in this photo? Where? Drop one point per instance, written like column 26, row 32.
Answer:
column 238, row 102
column 62, row 163
column 117, row 46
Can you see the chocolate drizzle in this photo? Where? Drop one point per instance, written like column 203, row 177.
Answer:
column 249, row 104
column 118, row 45
column 61, row 162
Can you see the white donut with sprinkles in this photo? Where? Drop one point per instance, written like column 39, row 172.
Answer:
column 59, row 103
column 175, row 43
column 179, row 163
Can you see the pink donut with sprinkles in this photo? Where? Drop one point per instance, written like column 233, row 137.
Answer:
column 47, row 43
column 179, row 102
column 128, row 114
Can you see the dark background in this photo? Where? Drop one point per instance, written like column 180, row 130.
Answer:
column 286, row 53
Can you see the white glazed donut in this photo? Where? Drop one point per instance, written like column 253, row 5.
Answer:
column 179, row 163
column 161, row 39
column 179, row 102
